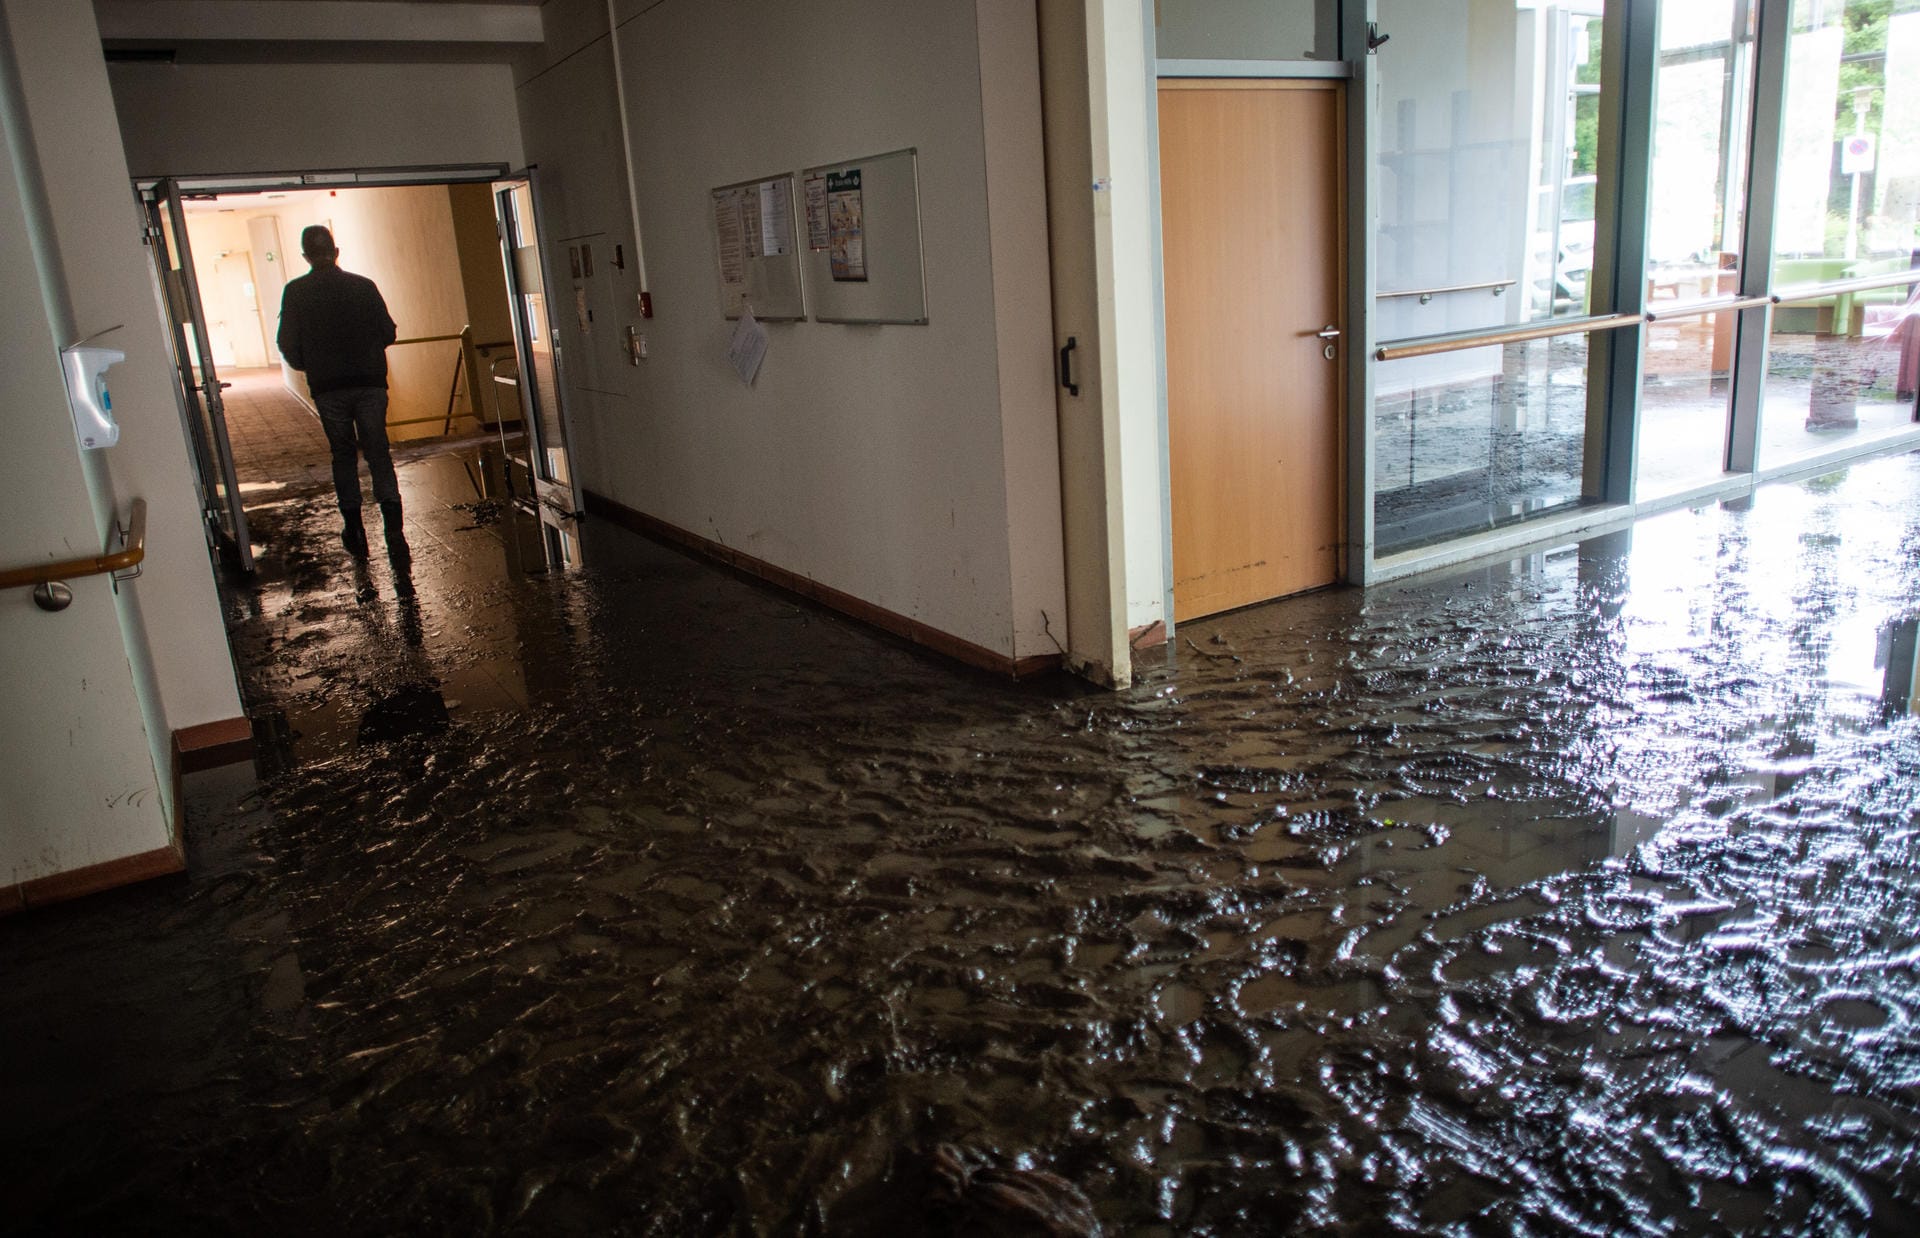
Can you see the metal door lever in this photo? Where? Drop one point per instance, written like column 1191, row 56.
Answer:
column 1331, row 332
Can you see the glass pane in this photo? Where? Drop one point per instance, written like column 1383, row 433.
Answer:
column 1704, row 92
column 1472, row 440
column 1490, row 122
column 1236, row 29
column 1684, row 403
column 1829, row 389
column 1703, row 97
column 1850, row 164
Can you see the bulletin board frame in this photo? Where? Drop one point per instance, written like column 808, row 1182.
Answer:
column 747, row 219
column 885, row 280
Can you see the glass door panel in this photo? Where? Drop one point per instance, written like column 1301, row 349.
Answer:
column 199, row 384
column 1490, row 179
column 1841, row 360
column 548, row 460
column 1702, row 114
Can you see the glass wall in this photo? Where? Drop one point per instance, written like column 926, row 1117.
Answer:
column 1702, row 105
column 1496, row 436
column 1841, row 363
column 1489, row 173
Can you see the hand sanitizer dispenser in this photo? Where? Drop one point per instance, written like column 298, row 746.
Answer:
column 85, row 366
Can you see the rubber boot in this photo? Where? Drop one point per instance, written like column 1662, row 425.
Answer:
column 353, row 535
column 397, row 549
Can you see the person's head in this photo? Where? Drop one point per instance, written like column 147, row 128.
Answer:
column 316, row 244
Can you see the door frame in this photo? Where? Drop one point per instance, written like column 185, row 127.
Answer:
column 1356, row 277
column 558, row 495
column 201, row 404
column 159, row 196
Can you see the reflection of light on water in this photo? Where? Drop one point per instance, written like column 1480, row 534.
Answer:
column 1857, row 656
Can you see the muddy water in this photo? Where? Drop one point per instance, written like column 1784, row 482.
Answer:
column 1574, row 895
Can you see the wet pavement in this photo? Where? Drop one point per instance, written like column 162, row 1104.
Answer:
column 1577, row 894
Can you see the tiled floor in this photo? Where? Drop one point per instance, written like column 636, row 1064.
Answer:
column 277, row 440
column 278, row 445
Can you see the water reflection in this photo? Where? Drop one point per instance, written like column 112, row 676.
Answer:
column 1568, row 895
column 1894, row 652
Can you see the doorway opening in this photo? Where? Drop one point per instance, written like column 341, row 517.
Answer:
column 458, row 264
column 475, row 420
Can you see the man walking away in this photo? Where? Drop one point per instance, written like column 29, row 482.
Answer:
column 334, row 325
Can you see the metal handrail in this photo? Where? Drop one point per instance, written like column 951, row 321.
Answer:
column 459, row 367
column 1496, row 286
column 1866, row 283
column 1700, row 309
column 133, row 549
column 1422, row 347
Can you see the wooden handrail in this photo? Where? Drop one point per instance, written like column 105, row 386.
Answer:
column 429, row 339
column 131, row 552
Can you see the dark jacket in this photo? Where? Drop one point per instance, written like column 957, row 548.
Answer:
column 335, row 326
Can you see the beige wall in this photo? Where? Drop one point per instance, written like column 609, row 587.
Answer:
column 401, row 238
column 432, row 250
column 483, row 282
column 224, row 260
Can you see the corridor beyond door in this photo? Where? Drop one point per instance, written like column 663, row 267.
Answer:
column 1251, row 218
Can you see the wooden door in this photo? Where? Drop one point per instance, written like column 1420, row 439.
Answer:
column 1251, row 216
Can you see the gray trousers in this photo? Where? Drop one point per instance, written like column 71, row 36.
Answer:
column 356, row 421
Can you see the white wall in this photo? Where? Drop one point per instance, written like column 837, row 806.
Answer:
column 219, row 118
column 175, row 630
column 909, row 466
column 78, row 746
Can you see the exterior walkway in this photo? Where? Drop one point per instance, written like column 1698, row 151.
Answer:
column 584, row 888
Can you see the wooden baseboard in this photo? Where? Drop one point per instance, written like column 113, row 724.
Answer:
column 58, row 888
column 834, row 599
column 213, row 744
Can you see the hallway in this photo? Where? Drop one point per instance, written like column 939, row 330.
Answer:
column 1577, row 891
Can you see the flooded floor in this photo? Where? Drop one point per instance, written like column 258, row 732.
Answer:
column 1578, row 894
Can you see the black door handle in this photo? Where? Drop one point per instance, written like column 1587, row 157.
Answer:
column 1066, row 366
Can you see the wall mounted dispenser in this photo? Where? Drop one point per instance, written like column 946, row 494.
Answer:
column 85, row 368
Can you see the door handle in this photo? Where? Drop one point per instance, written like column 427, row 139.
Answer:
column 1329, row 332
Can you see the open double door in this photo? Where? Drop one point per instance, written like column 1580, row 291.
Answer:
column 541, row 458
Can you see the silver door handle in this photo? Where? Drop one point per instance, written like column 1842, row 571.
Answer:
column 1330, row 332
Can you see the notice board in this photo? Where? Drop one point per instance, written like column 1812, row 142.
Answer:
column 862, row 253
column 757, row 249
